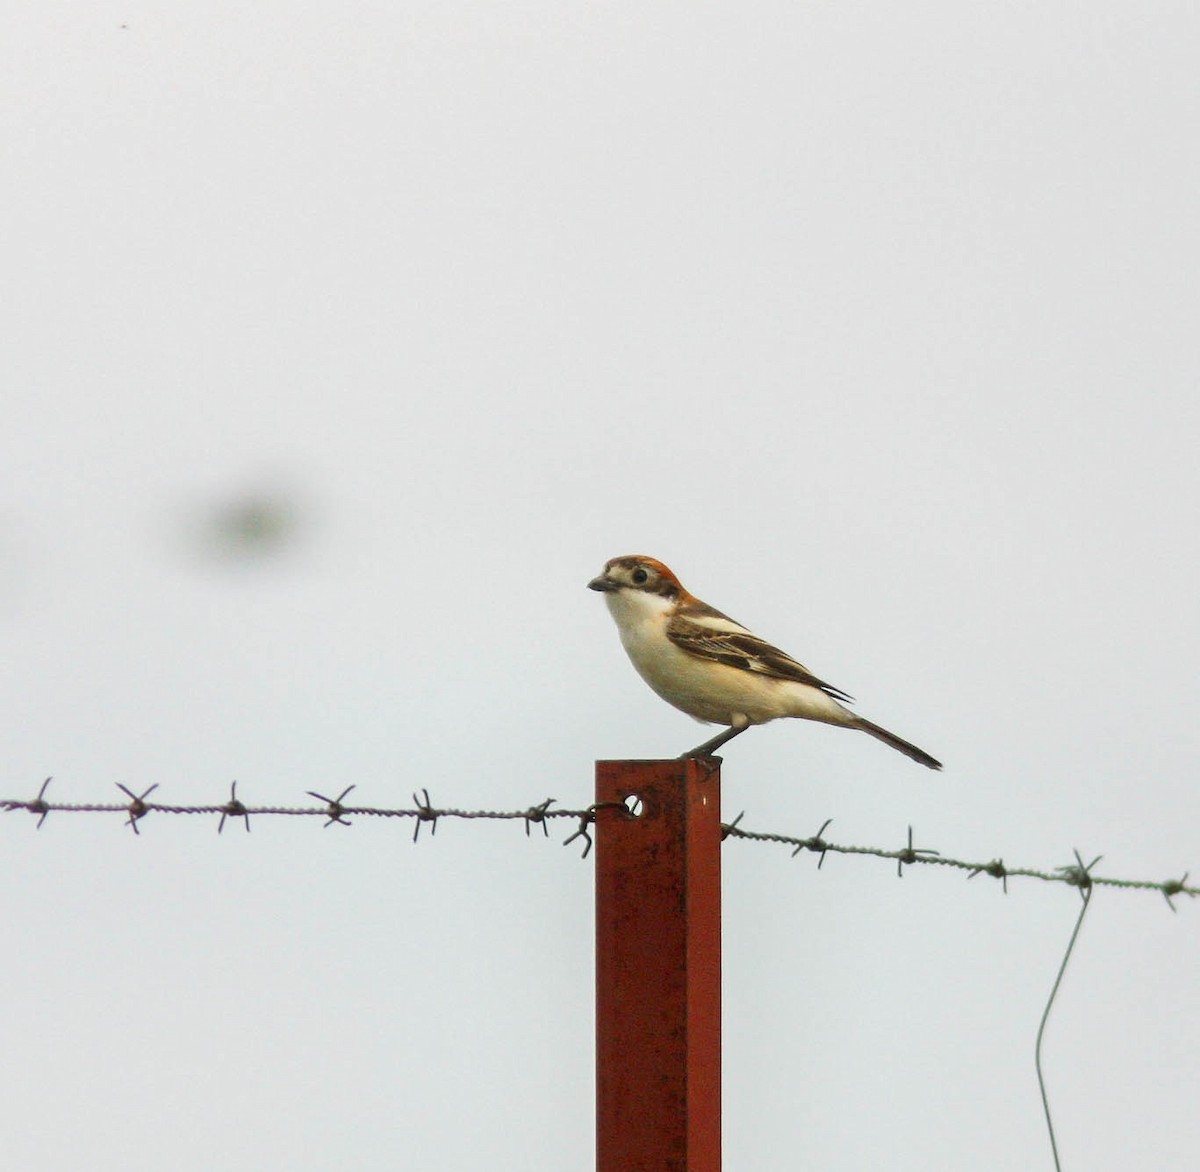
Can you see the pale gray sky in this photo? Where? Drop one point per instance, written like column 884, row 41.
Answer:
column 877, row 322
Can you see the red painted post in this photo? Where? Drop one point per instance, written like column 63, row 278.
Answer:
column 658, row 968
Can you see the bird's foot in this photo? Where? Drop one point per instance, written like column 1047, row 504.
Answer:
column 699, row 753
column 709, row 748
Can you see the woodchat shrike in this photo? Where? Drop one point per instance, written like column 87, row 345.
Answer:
column 713, row 668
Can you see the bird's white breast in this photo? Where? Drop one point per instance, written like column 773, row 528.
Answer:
column 703, row 689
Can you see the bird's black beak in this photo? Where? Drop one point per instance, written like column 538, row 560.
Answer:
column 602, row 583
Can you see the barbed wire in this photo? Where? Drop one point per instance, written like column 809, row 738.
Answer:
column 335, row 811
column 1074, row 874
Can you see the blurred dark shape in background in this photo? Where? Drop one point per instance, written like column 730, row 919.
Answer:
column 254, row 525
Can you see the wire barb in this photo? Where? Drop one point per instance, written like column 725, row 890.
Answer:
column 425, row 813
column 816, row 843
column 912, row 854
column 233, row 809
column 334, row 807
column 1173, row 887
column 137, row 805
column 1079, row 874
column 538, row 814
column 586, row 818
column 37, row 805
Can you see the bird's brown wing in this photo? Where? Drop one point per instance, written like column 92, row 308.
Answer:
column 727, row 642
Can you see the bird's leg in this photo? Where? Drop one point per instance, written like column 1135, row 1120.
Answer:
column 722, row 738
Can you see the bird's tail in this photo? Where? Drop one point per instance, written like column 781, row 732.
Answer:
column 888, row 738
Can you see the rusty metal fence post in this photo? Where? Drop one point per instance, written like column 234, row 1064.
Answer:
column 658, row 967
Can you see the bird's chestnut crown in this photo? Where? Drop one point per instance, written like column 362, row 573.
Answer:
column 637, row 572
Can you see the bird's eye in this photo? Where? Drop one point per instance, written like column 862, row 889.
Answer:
column 640, row 577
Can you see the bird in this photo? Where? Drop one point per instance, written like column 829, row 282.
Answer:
column 713, row 668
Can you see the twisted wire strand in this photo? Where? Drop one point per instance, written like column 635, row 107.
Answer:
column 335, row 810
